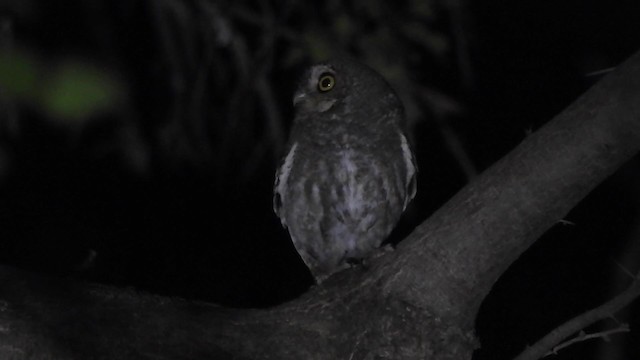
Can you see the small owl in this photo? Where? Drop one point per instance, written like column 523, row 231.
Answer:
column 349, row 171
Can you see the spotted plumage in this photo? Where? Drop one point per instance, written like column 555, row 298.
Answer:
column 349, row 171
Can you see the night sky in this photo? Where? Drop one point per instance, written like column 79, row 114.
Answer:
column 169, row 189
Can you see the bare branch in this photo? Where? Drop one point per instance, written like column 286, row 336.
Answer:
column 473, row 238
column 623, row 328
column 549, row 343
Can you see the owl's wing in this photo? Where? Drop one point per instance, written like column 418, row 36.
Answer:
column 277, row 202
column 411, row 169
column 282, row 182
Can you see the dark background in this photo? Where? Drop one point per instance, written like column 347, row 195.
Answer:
column 166, row 186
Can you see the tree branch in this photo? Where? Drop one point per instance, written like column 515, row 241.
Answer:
column 623, row 328
column 473, row 238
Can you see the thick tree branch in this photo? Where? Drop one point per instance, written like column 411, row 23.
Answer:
column 471, row 240
column 417, row 302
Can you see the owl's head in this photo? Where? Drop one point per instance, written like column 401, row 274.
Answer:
column 343, row 86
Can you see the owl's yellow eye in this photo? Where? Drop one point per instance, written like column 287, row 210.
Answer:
column 326, row 82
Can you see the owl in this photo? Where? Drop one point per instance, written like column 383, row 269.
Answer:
column 349, row 171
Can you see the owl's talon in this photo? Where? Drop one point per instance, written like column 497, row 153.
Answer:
column 353, row 262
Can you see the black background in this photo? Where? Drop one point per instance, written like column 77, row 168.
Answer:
column 199, row 228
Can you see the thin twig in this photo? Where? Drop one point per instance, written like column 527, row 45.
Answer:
column 584, row 337
column 566, row 222
column 624, row 269
column 600, row 72
column 552, row 339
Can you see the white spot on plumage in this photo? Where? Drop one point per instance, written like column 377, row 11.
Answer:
column 315, row 192
column 354, row 190
column 282, row 178
column 409, row 164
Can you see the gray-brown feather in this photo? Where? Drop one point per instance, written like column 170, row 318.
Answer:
column 349, row 172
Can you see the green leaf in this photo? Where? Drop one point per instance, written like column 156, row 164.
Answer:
column 76, row 90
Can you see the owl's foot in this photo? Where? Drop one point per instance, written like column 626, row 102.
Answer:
column 384, row 249
column 361, row 263
column 381, row 251
column 352, row 261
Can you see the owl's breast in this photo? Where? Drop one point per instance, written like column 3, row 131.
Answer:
column 339, row 202
column 358, row 188
column 359, row 191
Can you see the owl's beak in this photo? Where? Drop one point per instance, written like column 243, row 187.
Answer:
column 312, row 103
column 298, row 98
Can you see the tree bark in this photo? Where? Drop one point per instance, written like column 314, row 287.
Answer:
column 418, row 302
